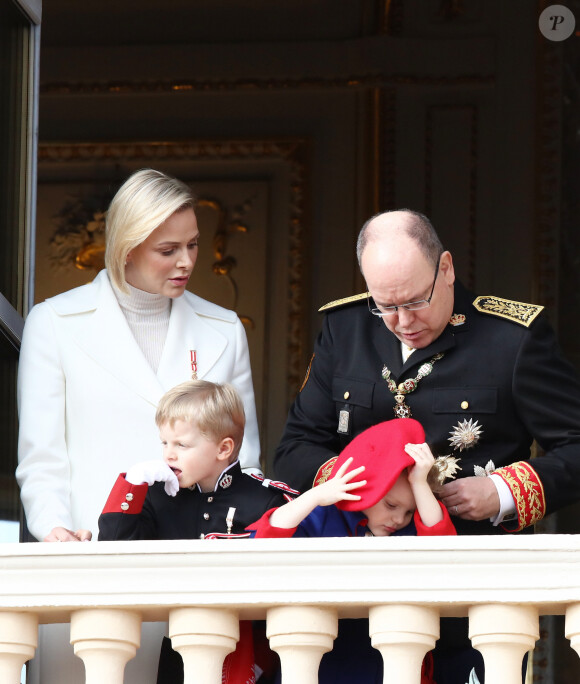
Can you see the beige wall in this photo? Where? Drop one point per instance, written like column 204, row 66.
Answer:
column 438, row 106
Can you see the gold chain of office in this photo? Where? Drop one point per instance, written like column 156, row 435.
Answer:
column 401, row 409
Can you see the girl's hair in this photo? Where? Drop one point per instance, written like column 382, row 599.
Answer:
column 144, row 201
column 215, row 409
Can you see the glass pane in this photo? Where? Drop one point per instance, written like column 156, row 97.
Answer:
column 14, row 36
column 9, row 496
column 15, row 137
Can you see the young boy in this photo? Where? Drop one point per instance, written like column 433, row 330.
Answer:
column 197, row 490
column 395, row 499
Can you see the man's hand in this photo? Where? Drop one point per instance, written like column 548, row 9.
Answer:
column 148, row 472
column 60, row 534
column 470, row 498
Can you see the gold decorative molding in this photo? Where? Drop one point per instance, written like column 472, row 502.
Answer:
column 55, row 157
column 222, row 267
column 391, row 20
column 180, row 87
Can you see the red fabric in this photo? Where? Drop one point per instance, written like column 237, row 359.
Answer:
column 125, row 492
column 427, row 670
column 381, row 450
column 528, row 492
column 443, row 527
column 264, row 529
column 239, row 666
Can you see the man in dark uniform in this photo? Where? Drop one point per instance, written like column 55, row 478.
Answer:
column 483, row 375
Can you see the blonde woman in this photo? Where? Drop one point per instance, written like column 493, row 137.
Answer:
column 96, row 360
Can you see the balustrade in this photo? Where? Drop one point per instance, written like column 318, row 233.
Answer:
column 300, row 586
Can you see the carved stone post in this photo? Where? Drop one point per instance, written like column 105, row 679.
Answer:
column 301, row 635
column 403, row 634
column 573, row 626
column 105, row 639
column 503, row 634
column 203, row 637
column 18, row 641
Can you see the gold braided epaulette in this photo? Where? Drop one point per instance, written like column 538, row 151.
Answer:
column 518, row 312
column 346, row 300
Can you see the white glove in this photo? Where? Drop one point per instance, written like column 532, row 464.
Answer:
column 153, row 471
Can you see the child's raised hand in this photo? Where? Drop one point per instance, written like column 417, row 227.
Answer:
column 339, row 487
column 424, row 461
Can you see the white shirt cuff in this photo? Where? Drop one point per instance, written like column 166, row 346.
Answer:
column 507, row 506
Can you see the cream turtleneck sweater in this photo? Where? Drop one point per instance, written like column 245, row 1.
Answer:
column 148, row 318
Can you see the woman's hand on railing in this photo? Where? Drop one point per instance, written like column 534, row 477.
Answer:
column 60, row 534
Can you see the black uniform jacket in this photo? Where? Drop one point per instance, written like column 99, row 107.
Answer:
column 511, row 379
column 143, row 512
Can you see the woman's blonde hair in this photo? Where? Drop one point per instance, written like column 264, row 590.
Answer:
column 215, row 409
column 144, row 201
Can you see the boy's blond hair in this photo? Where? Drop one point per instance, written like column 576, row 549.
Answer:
column 215, row 409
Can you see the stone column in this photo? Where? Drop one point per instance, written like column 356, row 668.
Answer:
column 18, row 641
column 203, row 637
column 301, row 635
column 403, row 634
column 573, row 626
column 503, row 634
column 105, row 639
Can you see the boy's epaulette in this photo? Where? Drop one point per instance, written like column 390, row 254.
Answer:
column 518, row 312
column 346, row 300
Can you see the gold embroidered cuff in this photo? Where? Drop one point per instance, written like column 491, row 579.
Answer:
column 527, row 490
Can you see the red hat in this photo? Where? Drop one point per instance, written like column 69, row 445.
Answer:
column 381, row 449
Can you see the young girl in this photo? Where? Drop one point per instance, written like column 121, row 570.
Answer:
column 395, row 498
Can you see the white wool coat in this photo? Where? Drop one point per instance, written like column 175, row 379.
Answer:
column 87, row 396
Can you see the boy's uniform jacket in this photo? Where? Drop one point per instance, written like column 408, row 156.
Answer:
column 143, row 512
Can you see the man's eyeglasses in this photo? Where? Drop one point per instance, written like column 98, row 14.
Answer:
column 409, row 306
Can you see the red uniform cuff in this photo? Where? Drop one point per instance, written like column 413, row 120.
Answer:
column 443, row 528
column 528, row 492
column 126, row 497
column 262, row 528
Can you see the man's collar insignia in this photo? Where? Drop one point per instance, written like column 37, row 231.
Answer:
column 457, row 319
column 518, row 312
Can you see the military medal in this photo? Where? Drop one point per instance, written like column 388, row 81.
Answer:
column 230, row 519
column 344, row 417
column 343, row 422
column 484, row 472
column 465, row 434
column 401, row 409
column 443, row 469
column 193, row 357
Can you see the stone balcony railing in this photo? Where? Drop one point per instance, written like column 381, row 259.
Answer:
column 300, row 586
